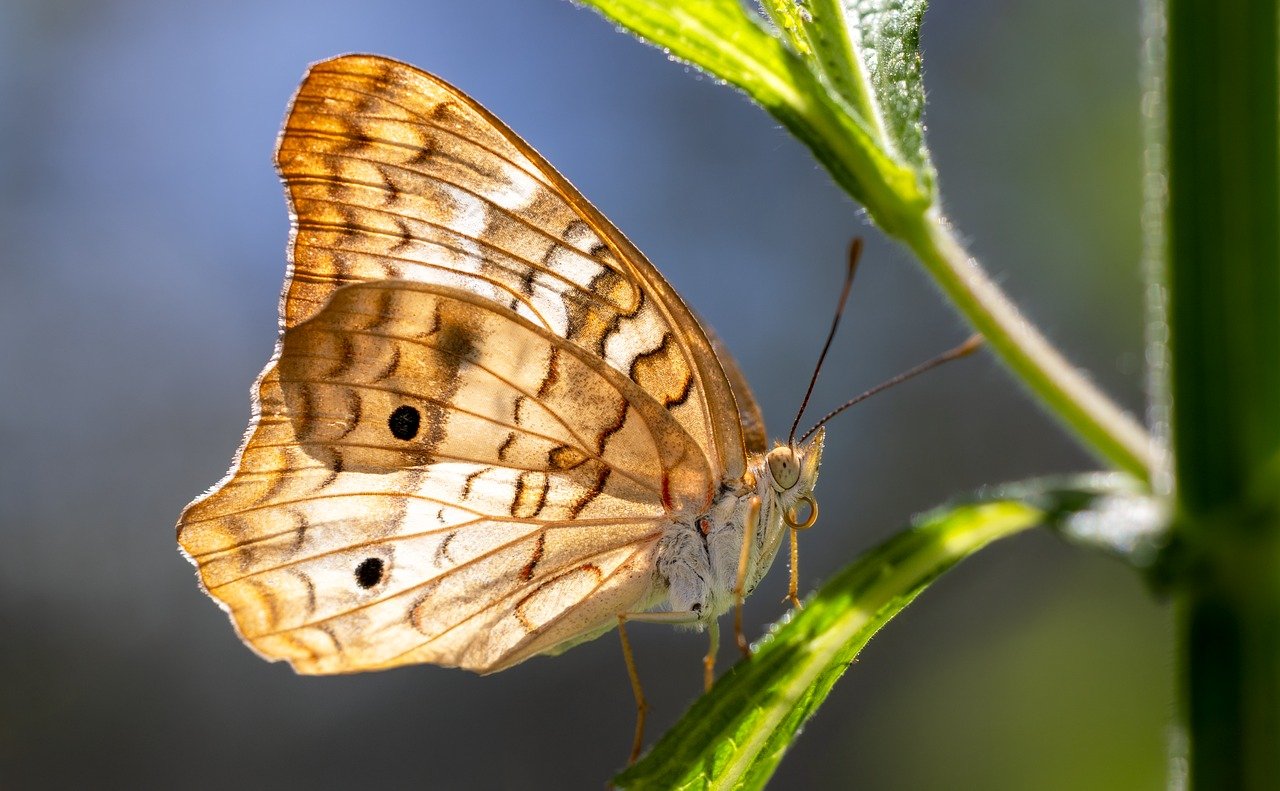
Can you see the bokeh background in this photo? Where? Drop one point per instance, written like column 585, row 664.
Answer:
column 142, row 238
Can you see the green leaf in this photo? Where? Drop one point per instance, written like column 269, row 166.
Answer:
column 849, row 87
column 726, row 40
column 867, row 52
column 734, row 736
column 817, row 32
column 889, row 45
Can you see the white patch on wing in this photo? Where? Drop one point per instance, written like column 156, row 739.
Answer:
column 573, row 266
column 514, row 191
column 635, row 336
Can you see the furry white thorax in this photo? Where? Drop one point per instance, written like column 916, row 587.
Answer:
column 698, row 559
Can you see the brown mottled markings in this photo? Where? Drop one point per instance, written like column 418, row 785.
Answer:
column 392, row 522
column 383, row 307
column 389, row 184
column 596, row 488
column 459, row 341
column 244, row 554
column 399, row 125
column 306, row 411
column 612, row 429
column 542, row 496
column 526, row 573
column 423, row 155
column 328, row 631
column 530, row 494
column 357, row 138
column 404, row 237
column 328, row 480
column 654, row 357
column 346, row 358
column 442, row 551
column 311, row 590
column 354, row 411
column 553, row 373
column 341, row 268
column 265, row 594
column 577, row 227
column 661, row 348
column 608, row 284
column 588, row 568
column 392, row 365
column 300, row 528
column 278, row 482
column 683, row 395
column 519, row 493
column 466, row 487
column 349, row 226
column 516, row 411
column 436, row 321
column 564, row 457
column 412, row 479
column 506, row 443
column 444, row 112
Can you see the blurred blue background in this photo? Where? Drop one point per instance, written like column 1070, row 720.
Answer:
column 142, row 236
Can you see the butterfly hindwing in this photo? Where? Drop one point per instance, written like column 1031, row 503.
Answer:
column 482, row 477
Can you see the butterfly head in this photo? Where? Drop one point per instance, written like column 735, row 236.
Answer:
column 791, row 469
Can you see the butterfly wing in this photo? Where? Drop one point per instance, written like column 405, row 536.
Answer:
column 419, row 489
column 750, row 418
column 394, row 174
column 485, row 408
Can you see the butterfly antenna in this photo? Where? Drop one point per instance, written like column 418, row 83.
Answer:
column 968, row 347
column 855, row 252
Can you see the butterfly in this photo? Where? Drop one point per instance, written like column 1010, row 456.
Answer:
column 490, row 426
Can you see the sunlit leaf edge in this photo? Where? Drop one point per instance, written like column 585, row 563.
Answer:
column 735, row 735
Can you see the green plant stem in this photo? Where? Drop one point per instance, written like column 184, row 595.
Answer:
column 1062, row 388
column 848, row 137
column 1223, row 101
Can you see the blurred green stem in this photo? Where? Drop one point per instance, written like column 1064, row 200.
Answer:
column 1041, row 368
column 1223, row 235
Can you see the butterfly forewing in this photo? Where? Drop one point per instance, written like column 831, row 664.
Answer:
column 393, row 174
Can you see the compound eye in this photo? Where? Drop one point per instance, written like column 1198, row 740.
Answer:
column 784, row 467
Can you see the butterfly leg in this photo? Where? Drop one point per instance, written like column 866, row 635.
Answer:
column 642, row 705
column 739, row 588
column 709, row 662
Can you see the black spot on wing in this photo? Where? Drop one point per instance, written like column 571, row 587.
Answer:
column 404, row 422
column 369, row 572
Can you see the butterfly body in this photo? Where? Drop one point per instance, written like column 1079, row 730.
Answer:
column 699, row 559
column 490, row 426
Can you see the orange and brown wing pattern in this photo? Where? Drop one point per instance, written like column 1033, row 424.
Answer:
column 394, row 174
column 434, row 478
